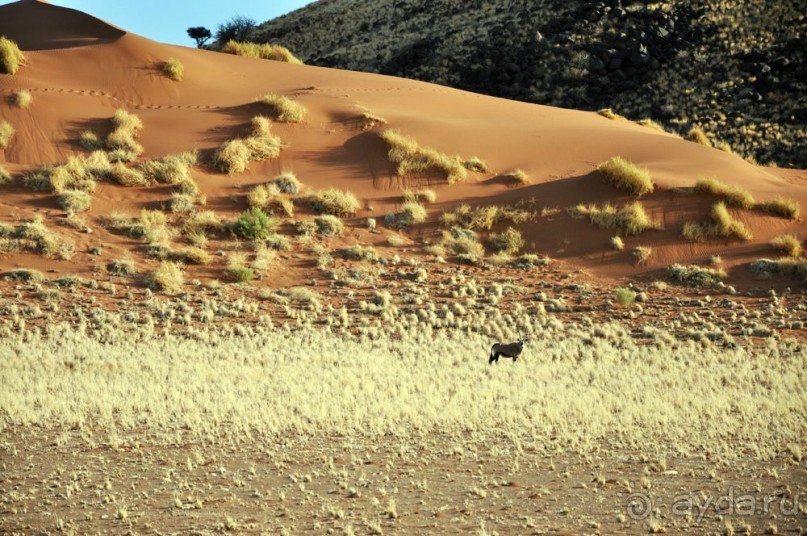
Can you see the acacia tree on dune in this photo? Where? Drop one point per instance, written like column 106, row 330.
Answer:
column 200, row 34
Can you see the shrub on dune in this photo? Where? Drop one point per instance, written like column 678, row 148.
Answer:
column 122, row 141
column 171, row 169
column 285, row 110
column 509, row 241
column 334, row 202
column 789, row 244
column 168, row 277
column 411, row 158
column 5, row 176
column 287, row 183
column 235, row 155
column 126, row 176
column 696, row 276
column 22, row 98
column 90, row 141
column 173, row 69
column 74, row 201
column 410, row 214
column 733, row 195
column 11, row 57
column 630, row 219
column 264, row 51
column 626, row 176
column 6, row 133
column 781, row 207
column 721, row 225
column 254, row 224
column 697, row 135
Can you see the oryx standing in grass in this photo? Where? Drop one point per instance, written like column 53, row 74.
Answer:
column 511, row 350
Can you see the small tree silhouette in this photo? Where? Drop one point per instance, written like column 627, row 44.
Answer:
column 200, row 34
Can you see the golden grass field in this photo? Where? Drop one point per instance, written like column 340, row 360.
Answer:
column 403, row 429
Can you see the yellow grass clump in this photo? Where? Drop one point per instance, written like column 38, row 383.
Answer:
column 649, row 123
column 517, row 176
column 425, row 195
column 173, row 69
column 630, row 219
column 697, row 135
column 733, row 195
column 5, row 176
column 411, row 158
column 781, row 207
column 285, row 110
column 509, row 241
column 122, row 140
column 6, row 133
column 22, row 98
column 721, row 225
column 34, row 236
column 168, row 277
column 411, row 213
column 608, row 113
column 626, row 176
column 334, row 202
column 642, row 254
column 264, row 51
column 235, row 155
column 484, row 217
column 789, row 244
column 11, row 57
column 288, row 183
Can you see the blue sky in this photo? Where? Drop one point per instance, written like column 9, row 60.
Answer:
column 167, row 20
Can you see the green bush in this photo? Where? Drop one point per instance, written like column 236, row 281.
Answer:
column 624, row 296
column 254, row 224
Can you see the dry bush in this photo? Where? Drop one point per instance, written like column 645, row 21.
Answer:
column 22, row 98
column 617, row 243
column 517, row 176
column 608, row 113
column 264, row 51
column 411, row 158
column 697, row 135
column 73, row 201
column 484, row 217
column 334, row 201
column 34, row 236
column 782, row 207
column 288, row 183
column 5, row 176
column 789, row 244
column 642, row 254
column 425, row 195
column 78, row 173
column 168, row 277
column 126, row 176
column 202, row 222
column 462, row 243
column 733, row 195
column 121, row 267
column 235, row 155
column 284, row 109
column 6, row 133
column 173, row 69
column 238, row 270
column 630, row 219
column 11, row 57
column 475, row 164
column 626, row 176
column 182, row 203
column 369, row 120
column 721, row 225
column 361, row 253
column 789, row 266
column 509, row 241
column 697, row 276
column 90, row 141
column 649, row 123
column 122, row 140
column 410, row 214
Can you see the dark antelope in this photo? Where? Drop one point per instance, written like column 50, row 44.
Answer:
column 511, row 350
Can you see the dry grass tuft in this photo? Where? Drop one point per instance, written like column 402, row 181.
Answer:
column 721, row 225
column 285, row 110
column 5, row 176
column 517, row 176
column 697, row 135
column 122, row 140
column 626, row 176
column 334, row 202
column 617, row 243
column 733, row 195
column 173, row 69
column 630, row 219
column 789, row 244
column 6, row 133
column 126, row 176
column 484, row 217
column 696, row 276
column 235, row 155
column 238, row 270
column 649, row 123
column 462, row 243
column 34, row 236
column 90, row 141
column 168, row 277
column 11, row 57
column 22, row 98
column 410, row 214
column 782, row 207
column 288, row 183
column 411, row 158
column 642, row 254
column 608, row 113
column 73, row 201
column 264, row 51
column 476, row 164
column 509, row 241
column 425, row 195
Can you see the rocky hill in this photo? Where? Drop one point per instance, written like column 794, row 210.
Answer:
column 735, row 69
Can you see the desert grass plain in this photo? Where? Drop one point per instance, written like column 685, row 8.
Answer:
column 248, row 295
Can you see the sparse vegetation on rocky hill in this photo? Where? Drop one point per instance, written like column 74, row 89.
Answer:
column 744, row 60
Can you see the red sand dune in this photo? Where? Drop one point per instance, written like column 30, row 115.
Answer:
column 80, row 70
